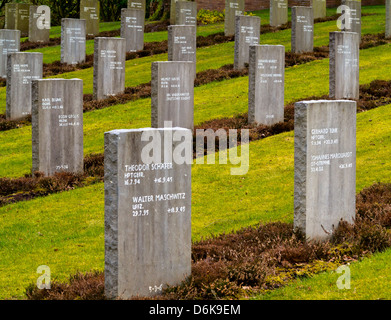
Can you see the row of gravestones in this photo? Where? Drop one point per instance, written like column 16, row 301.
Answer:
column 148, row 199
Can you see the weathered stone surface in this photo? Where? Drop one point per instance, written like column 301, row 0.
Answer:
column 233, row 8
column 247, row 33
column 147, row 213
column 355, row 16
column 173, row 11
column 39, row 30
column 172, row 94
column 388, row 19
column 319, row 7
column 186, row 13
column 22, row 68
column 182, row 44
column 89, row 11
column 344, row 65
column 9, row 42
column 73, row 41
column 22, row 18
column 278, row 12
column 266, row 84
column 136, row 4
column 57, row 125
column 325, row 166
column 10, row 16
column 132, row 29
column 109, row 67
column 302, row 29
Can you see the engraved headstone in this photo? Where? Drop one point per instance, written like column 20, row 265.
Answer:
column 388, row 19
column 73, row 41
column 136, row 4
column 302, row 29
column 57, row 125
column 325, row 166
column 354, row 24
column 10, row 16
column 109, row 67
column 233, row 8
column 172, row 93
column 344, row 65
column 23, row 18
column 22, row 68
column 173, row 11
column 147, row 212
column 186, row 13
column 278, row 12
column 182, row 44
column 247, row 33
column 89, row 11
column 132, row 29
column 9, row 42
column 39, row 30
column 266, row 84
column 319, row 7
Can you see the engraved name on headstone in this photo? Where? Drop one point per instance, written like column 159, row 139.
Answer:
column 73, row 41
column 354, row 24
column 233, row 8
column 39, row 30
column 136, row 4
column 89, row 11
column 278, row 12
column 302, row 29
column 132, row 29
column 186, row 13
column 9, row 42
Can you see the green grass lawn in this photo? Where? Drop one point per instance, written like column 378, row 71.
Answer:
column 65, row 231
column 370, row 280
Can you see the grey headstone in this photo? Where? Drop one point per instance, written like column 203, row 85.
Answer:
column 109, row 67
column 89, row 11
column 388, row 19
column 39, row 30
column 278, row 12
column 10, row 16
column 147, row 214
column 23, row 18
column 355, row 16
column 233, row 8
column 136, row 4
column 319, row 7
column 302, row 29
column 132, row 29
column 344, row 65
column 266, row 84
column 22, row 68
column 186, row 13
column 9, row 42
column 73, row 41
column 57, row 125
column 172, row 93
column 182, row 44
column 325, row 166
column 247, row 33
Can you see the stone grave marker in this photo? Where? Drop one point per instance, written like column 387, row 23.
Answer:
column 233, row 8
column 23, row 18
column 278, row 12
column 344, row 65
column 147, row 212
column 302, row 29
column 10, row 16
column 109, row 67
column 172, row 94
column 266, row 84
column 325, row 166
column 22, row 68
column 89, row 11
column 9, row 42
column 136, row 4
column 388, row 19
column 248, row 31
column 57, row 125
column 73, row 41
column 355, row 16
column 39, row 30
column 132, row 29
column 319, row 7
column 186, row 13
column 182, row 44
